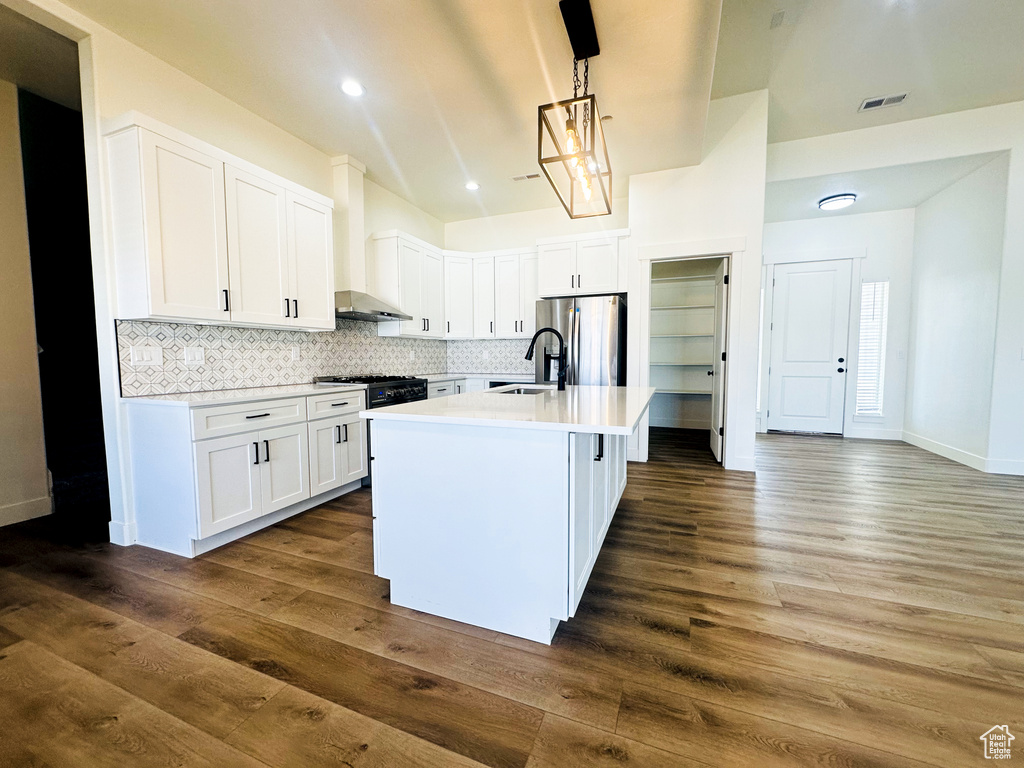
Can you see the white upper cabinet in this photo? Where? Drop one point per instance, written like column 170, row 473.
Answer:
column 582, row 267
column 201, row 236
column 458, row 296
column 409, row 274
column 310, row 236
column 508, row 306
column 258, row 268
column 483, row 297
column 167, row 204
column 529, row 292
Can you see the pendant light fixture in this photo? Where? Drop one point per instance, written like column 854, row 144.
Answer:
column 571, row 148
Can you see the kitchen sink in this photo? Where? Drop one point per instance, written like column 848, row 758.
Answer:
column 526, row 391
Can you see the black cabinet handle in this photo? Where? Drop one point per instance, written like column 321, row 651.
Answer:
column 287, row 308
column 256, row 448
column 266, row 448
column 449, row 326
column 295, row 302
column 492, row 326
column 345, row 427
column 572, row 281
column 579, row 281
column 338, row 427
column 841, row 370
column 258, row 416
column 600, row 448
column 428, row 325
column 227, row 307
column 335, row 405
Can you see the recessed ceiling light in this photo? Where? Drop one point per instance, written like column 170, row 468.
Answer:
column 472, row 186
column 352, row 87
column 837, row 202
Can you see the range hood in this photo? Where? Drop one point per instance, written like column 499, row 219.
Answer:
column 356, row 305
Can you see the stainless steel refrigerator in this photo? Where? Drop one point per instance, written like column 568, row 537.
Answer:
column 594, row 329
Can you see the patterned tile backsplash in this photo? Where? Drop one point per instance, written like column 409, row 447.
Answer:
column 258, row 357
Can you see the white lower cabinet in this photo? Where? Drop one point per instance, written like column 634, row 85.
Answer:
column 199, row 471
column 337, row 452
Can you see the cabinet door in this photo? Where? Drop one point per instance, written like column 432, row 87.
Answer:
column 311, row 263
column 597, row 266
column 186, row 236
column 410, row 259
column 602, row 475
column 528, row 293
column 257, row 250
column 228, row 482
column 508, row 306
column 284, row 466
column 432, row 294
column 582, row 552
column 458, row 297
column 556, row 271
column 326, row 455
column 483, row 298
column 355, row 462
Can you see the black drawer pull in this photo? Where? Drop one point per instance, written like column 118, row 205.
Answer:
column 600, row 448
column 443, row 390
column 335, row 405
column 266, row 447
column 258, row 416
column 345, row 427
column 227, row 306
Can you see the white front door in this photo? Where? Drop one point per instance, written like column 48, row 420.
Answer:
column 809, row 334
column 718, row 363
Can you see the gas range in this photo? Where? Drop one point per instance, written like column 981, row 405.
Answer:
column 382, row 390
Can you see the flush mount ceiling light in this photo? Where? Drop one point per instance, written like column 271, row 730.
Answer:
column 570, row 139
column 837, row 202
column 472, row 186
column 352, row 88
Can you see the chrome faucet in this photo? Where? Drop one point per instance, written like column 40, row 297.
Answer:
column 561, row 354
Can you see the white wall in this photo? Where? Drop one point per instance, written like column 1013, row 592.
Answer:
column 990, row 129
column 711, row 208
column 522, row 230
column 885, row 242
column 23, row 484
column 385, row 210
column 958, row 253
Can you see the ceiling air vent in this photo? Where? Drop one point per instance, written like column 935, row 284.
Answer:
column 526, row 177
column 878, row 102
column 777, row 19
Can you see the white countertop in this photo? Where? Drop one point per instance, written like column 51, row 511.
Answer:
column 433, row 377
column 601, row 410
column 226, row 396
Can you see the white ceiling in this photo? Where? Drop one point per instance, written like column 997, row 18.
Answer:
column 452, row 86
column 38, row 60
column 878, row 189
column 829, row 55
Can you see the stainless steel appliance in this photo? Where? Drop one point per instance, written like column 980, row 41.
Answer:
column 356, row 305
column 594, row 329
column 380, row 391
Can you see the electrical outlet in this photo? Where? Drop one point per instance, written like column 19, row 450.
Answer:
column 142, row 356
column 295, row 354
column 195, row 356
column 412, row 355
column 487, row 355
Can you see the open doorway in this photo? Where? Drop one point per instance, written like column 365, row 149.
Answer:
column 689, row 311
column 51, row 361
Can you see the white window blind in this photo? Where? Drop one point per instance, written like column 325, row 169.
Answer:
column 874, row 309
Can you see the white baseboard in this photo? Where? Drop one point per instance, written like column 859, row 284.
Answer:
column 122, row 534
column 1004, row 467
column 25, row 510
column 740, row 463
column 972, row 460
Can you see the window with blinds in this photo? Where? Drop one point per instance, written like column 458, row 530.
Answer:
column 874, row 309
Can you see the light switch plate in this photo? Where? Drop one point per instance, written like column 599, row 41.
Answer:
column 295, row 354
column 142, row 356
column 195, row 355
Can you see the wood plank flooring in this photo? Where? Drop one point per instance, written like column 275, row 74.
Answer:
column 856, row 603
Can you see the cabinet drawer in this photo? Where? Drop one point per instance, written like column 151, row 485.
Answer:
column 231, row 419
column 440, row 389
column 335, row 404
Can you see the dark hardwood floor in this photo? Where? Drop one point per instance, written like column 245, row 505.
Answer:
column 857, row 604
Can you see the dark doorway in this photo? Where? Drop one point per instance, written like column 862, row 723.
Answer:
column 53, row 157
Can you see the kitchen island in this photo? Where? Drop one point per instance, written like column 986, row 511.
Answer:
column 490, row 508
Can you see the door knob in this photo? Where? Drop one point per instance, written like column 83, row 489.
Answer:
column 711, row 373
column 842, row 359
column 841, row 370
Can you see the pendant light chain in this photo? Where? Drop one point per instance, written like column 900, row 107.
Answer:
column 586, row 87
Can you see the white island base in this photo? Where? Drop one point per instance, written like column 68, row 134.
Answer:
column 493, row 526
